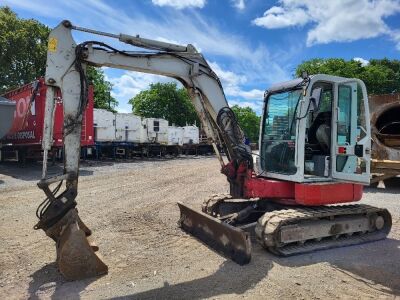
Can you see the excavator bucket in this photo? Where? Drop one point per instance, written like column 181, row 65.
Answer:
column 232, row 242
column 76, row 258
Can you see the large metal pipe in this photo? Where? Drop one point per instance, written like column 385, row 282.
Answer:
column 385, row 126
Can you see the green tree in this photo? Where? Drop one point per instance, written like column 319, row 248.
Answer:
column 381, row 76
column 331, row 66
column 248, row 121
column 389, row 71
column 23, row 50
column 23, row 46
column 165, row 100
column 102, row 89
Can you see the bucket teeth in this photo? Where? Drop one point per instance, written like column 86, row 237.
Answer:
column 94, row 247
column 82, row 226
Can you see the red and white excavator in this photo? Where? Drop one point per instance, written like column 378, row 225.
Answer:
column 314, row 152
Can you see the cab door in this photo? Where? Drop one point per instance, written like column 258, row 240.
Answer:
column 351, row 134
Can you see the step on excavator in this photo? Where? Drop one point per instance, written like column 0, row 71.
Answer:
column 314, row 152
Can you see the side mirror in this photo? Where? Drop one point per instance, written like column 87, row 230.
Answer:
column 316, row 98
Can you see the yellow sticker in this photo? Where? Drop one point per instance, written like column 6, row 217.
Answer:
column 52, row 47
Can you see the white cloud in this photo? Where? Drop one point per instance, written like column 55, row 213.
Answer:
column 184, row 27
column 232, row 84
column 227, row 77
column 278, row 17
column 395, row 36
column 363, row 61
column 254, row 94
column 334, row 21
column 180, row 4
column 130, row 84
column 255, row 105
column 239, row 4
column 248, row 64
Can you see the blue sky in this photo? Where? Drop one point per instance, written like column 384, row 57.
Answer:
column 250, row 44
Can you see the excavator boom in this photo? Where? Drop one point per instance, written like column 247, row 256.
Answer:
column 66, row 71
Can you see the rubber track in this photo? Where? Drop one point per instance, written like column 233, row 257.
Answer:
column 269, row 225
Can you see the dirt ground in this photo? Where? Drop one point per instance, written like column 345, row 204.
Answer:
column 131, row 208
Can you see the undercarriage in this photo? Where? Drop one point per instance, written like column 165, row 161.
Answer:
column 281, row 229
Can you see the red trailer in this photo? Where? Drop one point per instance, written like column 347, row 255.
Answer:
column 25, row 137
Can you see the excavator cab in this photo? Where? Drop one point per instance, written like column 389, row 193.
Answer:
column 314, row 151
column 316, row 129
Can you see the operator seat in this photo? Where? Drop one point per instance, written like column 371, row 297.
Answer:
column 320, row 131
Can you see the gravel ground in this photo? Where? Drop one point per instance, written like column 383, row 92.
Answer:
column 131, row 208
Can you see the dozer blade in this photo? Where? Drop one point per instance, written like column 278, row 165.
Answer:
column 224, row 238
column 75, row 256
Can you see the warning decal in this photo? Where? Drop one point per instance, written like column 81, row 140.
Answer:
column 52, row 47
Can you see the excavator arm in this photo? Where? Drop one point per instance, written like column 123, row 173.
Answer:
column 66, row 71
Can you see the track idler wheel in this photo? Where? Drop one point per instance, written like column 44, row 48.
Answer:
column 76, row 257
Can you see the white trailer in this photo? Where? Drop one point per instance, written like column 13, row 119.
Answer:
column 127, row 135
column 175, row 135
column 128, row 128
column 104, row 125
column 190, row 134
column 155, row 131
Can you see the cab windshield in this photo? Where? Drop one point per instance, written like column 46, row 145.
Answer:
column 279, row 132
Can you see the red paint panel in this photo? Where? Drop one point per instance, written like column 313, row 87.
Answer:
column 327, row 193
column 22, row 99
column 87, row 137
column 58, row 124
column 27, row 129
column 309, row 194
column 268, row 188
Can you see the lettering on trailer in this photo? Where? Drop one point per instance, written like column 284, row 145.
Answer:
column 22, row 135
column 20, row 113
column 23, row 106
